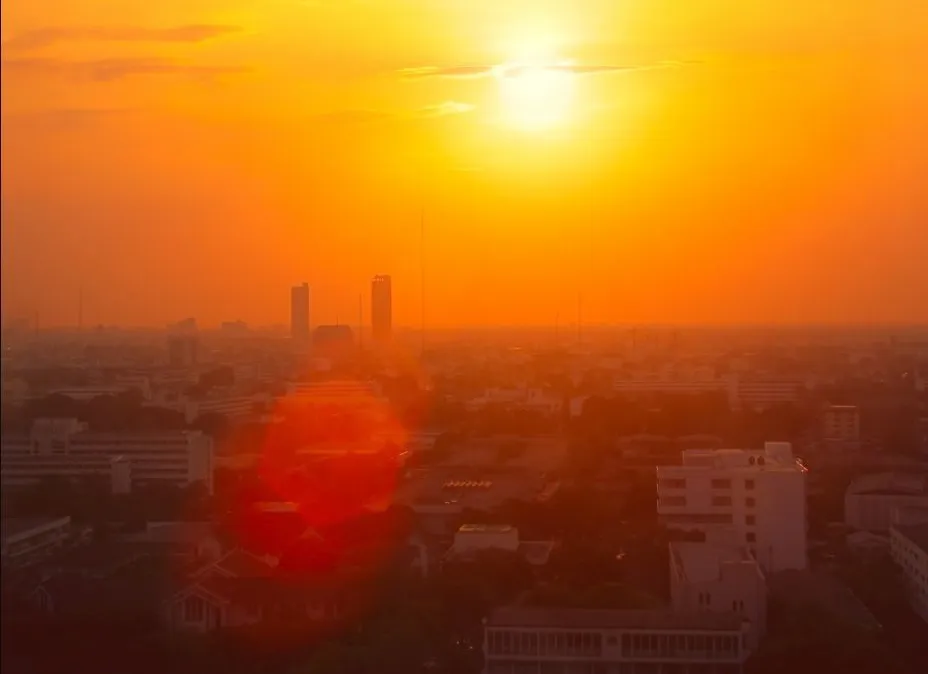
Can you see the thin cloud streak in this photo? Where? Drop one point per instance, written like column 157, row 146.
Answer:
column 446, row 108
column 45, row 37
column 514, row 70
column 108, row 70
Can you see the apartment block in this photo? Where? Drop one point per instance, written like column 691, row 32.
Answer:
column 752, row 497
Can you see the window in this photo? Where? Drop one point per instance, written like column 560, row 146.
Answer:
column 194, row 609
column 751, row 537
column 673, row 483
column 673, row 500
column 749, row 502
column 721, row 500
column 749, row 520
column 719, row 483
column 749, row 484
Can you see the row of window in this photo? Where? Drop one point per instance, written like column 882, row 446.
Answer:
column 717, row 501
column 555, row 667
column 717, row 483
column 590, row 644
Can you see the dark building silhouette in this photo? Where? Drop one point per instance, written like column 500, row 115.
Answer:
column 333, row 341
column 381, row 309
column 299, row 312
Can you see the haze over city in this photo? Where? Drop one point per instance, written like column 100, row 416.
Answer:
column 464, row 337
column 727, row 162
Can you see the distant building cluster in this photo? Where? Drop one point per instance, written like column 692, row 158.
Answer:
column 327, row 337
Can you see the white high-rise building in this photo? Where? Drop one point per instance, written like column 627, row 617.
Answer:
column 752, row 497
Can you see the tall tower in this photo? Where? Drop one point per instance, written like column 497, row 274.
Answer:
column 299, row 312
column 381, row 309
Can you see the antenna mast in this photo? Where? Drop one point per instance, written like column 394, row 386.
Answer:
column 422, row 280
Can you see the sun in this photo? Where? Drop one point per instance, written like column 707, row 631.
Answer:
column 535, row 96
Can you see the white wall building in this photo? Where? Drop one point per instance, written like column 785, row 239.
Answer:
column 909, row 547
column 755, row 497
column 721, row 579
column 65, row 448
column 521, row 639
column 871, row 501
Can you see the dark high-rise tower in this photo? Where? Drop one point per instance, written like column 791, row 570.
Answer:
column 299, row 312
column 381, row 309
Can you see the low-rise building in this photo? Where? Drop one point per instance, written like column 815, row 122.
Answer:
column 471, row 539
column 870, row 501
column 520, row 639
column 721, row 579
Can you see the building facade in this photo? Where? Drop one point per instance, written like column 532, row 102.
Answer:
column 871, row 501
column 909, row 548
column 535, row 640
column 381, row 309
column 720, row 579
column 752, row 497
column 299, row 312
column 841, row 423
column 65, row 448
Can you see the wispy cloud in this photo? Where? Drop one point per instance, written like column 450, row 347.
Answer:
column 446, row 108
column 107, row 70
column 515, row 69
column 353, row 116
column 44, row 37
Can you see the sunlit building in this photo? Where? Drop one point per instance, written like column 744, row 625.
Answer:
column 751, row 497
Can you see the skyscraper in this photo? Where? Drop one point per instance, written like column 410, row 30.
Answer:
column 299, row 312
column 381, row 309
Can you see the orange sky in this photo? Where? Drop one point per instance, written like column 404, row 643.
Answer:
column 715, row 160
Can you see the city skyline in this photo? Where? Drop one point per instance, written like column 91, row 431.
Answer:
column 734, row 165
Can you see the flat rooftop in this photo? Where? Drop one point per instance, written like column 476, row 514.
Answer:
column 573, row 618
column 702, row 562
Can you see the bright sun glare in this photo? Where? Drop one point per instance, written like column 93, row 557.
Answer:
column 535, row 96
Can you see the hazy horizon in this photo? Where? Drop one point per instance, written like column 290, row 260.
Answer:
column 727, row 163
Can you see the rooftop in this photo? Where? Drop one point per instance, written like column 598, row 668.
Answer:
column 917, row 533
column 701, row 562
column 573, row 618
